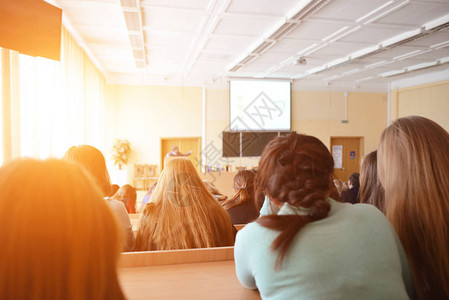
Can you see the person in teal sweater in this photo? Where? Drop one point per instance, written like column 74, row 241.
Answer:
column 314, row 247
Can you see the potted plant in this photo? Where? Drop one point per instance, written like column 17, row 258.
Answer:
column 121, row 151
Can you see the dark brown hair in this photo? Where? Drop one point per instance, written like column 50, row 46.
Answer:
column 371, row 191
column 244, row 185
column 295, row 169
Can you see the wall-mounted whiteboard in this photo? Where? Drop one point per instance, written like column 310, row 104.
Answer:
column 260, row 105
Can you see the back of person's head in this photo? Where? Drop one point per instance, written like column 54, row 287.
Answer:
column 295, row 170
column 114, row 189
column 413, row 164
column 371, row 191
column 128, row 195
column 59, row 238
column 354, row 179
column 244, row 187
column 182, row 213
column 93, row 161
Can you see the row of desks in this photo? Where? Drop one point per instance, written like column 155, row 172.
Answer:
column 182, row 274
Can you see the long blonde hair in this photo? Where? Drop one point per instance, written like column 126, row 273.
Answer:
column 59, row 238
column 413, row 167
column 182, row 214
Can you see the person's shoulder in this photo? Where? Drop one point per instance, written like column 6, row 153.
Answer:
column 115, row 203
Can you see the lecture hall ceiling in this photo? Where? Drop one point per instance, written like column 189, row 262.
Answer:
column 359, row 45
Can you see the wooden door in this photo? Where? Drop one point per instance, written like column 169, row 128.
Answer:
column 347, row 154
column 185, row 145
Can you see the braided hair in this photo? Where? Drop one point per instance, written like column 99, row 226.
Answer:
column 295, row 169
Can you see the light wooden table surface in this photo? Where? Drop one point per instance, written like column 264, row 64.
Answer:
column 208, row 280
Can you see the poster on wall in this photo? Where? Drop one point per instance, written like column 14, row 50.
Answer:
column 337, row 154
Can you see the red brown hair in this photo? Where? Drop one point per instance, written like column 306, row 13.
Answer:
column 295, row 169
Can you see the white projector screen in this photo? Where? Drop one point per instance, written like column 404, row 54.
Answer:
column 260, row 105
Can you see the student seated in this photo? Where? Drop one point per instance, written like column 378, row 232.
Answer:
column 182, row 214
column 241, row 207
column 128, row 195
column 316, row 247
column 351, row 195
column 59, row 238
column 371, row 191
column 413, row 164
column 92, row 160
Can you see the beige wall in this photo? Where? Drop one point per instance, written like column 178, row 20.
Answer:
column 429, row 100
column 313, row 113
column 144, row 114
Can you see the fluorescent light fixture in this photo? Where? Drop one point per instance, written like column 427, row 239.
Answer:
column 436, row 22
column 345, row 34
column 287, row 61
column 315, row 49
column 333, row 77
column 335, row 33
column 440, row 45
column 407, row 55
column 351, row 72
column 316, row 70
column 393, row 73
column 387, row 12
column 422, row 66
column 337, row 62
column 378, row 64
column 444, row 60
column 400, row 37
column 363, row 52
column 306, row 49
column 366, row 78
column 373, row 11
column 299, row 76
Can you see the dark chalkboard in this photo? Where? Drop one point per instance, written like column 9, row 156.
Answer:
column 231, row 144
column 251, row 143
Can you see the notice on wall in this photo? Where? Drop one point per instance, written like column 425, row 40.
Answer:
column 352, row 155
column 337, row 154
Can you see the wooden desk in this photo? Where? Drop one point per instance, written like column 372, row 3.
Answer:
column 208, row 280
column 206, row 273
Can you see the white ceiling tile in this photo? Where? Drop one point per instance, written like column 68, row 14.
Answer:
column 372, row 34
column 171, row 21
column 192, row 4
column 268, row 7
column 244, row 26
column 349, row 10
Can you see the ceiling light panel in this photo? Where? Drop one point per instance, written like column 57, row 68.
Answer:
column 338, row 10
column 132, row 20
column 422, row 13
